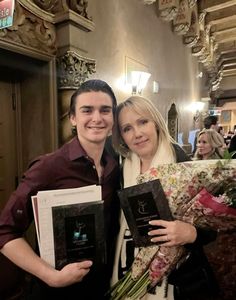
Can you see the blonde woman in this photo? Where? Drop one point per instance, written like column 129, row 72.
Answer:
column 210, row 145
column 141, row 136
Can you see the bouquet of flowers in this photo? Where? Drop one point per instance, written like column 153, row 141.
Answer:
column 202, row 193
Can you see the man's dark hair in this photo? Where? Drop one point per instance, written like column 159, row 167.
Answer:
column 210, row 120
column 92, row 85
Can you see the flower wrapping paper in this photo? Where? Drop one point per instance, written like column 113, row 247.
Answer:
column 188, row 187
column 190, row 190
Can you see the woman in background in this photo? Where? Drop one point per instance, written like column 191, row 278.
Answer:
column 209, row 145
column 141, row 136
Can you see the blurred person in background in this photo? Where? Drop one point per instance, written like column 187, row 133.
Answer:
column 210, row 145
column 210, row 122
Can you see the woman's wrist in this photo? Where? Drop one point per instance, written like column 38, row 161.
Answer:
column 192, row 234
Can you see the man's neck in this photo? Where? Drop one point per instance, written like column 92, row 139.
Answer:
column 93, row 150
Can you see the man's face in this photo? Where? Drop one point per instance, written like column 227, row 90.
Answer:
column 93, row 117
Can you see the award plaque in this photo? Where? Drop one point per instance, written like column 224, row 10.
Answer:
column 142, row 203
column 79, row 233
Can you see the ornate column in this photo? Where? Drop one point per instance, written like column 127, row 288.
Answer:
column 73, row 69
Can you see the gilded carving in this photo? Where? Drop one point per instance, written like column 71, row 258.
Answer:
column 30, row 31
column 48, row 5
column 79, row 6
column 58, row 6
column 182, row 22
column 199, row 48
column 168, row 9
column 216, row 82
column 202, row 16
column 193, row 34
column 74, row 69
column 191, row 3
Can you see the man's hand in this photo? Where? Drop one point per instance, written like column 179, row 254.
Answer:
column 70, row 274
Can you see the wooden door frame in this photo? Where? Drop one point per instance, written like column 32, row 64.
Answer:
column 51, row 63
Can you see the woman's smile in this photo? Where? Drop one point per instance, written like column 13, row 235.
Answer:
column 141, row 143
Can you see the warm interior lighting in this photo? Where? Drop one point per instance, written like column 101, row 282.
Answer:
column 199, row 75
column 196, row 108
column 139, row 80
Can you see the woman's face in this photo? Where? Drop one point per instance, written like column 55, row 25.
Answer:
column 138, row 132
column 204, row 148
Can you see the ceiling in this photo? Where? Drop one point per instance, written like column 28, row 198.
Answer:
column 220, row 21
column 209, row 28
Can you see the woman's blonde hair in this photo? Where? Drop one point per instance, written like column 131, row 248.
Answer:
column 146, row 108
column 215, row 140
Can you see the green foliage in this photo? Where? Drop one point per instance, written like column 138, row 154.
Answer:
column 228, row 155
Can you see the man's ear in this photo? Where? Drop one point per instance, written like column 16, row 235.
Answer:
column 73, row 120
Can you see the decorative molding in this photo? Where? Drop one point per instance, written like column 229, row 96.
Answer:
column 76, row 19
column 37, row 11
column 192, row 36
column 74, row 69
column 209, row 28
column 199, row 48
column 182, row 21
column 31, row 31
column 148, row 2
column 56, row 6
column 48, row 5
column 191, row 3
column 168, row 9
column 34, row 26
column 80, row 7
column 58, row 11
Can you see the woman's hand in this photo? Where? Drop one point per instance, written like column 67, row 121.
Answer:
column 172, row 233
column 70, row 274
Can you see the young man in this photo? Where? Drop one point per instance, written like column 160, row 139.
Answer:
column 81, row 162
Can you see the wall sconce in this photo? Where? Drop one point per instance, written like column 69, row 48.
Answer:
column 139, row 80
column 197, row 107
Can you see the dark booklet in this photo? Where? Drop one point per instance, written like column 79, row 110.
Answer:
column 79, row 233
column 142, row 203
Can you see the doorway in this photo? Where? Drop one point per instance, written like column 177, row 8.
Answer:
column 28, row 128
column 28, row 115
column 8, row 139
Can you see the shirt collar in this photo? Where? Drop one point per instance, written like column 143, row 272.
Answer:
column 76, row 151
